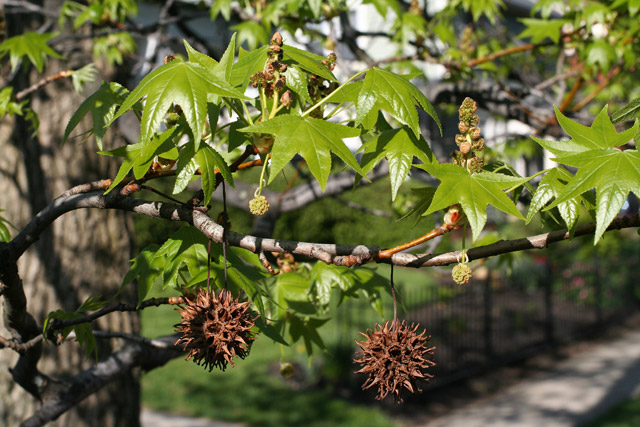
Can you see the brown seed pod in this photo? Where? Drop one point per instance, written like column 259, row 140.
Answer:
column 215, row 328
column 395, row 357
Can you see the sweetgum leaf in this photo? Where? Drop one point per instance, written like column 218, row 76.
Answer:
column 308, row 61
column 400, row 147
column 612, row 172
column 32, row 45
column 550, row 187
column 313, row 139
column 102, row 104
column 384, row 90
column 473, row 192
column 628, row 112
column 186, row 84
column 205, row 159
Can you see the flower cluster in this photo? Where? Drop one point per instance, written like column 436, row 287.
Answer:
column 468, row 140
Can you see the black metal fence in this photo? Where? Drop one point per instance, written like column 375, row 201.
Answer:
column 495, row 321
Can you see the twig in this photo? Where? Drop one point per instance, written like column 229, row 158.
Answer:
column 61, row 75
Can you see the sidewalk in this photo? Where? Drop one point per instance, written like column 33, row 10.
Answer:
column 576, row 391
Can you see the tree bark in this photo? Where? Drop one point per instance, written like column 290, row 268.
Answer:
column 83, row 254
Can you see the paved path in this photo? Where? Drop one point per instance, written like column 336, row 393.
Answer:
column 579, row 389
column 150, row 418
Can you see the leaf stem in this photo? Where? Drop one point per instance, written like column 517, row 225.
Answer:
column 509, row 190
column 328, row 97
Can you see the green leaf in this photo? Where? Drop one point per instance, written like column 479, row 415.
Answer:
column 400, row 147
column 5, row 235
column 382, row 6
column 182, row 83
column 550, row 187
column 313, row 139
column 473, row 192
column 32, row 45
column 247, row 65
column 8, row 105
column 307, row 329
column 82, row 76
column 131, row 154
column 601, row 53
column 298, row 82
column 628, row 112
column 307, row 61
column 540, row 29
column 102, row 104
column 601, row 134
column 146, row 269
column 208, row 160
column 384, row 90
column 612, row 172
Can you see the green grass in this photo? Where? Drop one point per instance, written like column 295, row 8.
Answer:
column 626, row 414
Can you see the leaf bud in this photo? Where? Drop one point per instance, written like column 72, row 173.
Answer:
column 286, row 99
column 276, row 39
column 465, row 147
column 169, row 58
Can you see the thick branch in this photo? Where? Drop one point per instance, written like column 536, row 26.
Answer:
column 328, row 253
column 93, row 379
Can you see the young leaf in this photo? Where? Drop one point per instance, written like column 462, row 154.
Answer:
column 207, row 160
column 540, row 29
column 628, row 112
column 32, row 45
column 313, row 139
column 186, row 84
column 307, row 61
column 399, row 146
column 473, row 192
column 384, row 90
column 612, row 172
column 146, row 269
column 102, row 104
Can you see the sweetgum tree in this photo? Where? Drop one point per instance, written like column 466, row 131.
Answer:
column 202, row 116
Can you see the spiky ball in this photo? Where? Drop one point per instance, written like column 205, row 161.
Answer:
column 461, row 274
column 215, row 328
column 394, row 357
column 259, row 205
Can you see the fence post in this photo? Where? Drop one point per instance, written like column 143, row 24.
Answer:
column 488, row 319
column 549, row 324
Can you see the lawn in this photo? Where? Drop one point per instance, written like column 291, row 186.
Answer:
column 626, row 414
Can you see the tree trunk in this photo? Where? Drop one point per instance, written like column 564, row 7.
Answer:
column 85, row 253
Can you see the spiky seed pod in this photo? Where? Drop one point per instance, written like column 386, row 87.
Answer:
column 394, row 357
column 461, row 274
column 215, row 329
column 259, row 205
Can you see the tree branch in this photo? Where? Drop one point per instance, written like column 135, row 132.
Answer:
column 338, row 254
column 64, row 396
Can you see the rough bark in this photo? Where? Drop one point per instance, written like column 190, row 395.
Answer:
column 84, row 253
